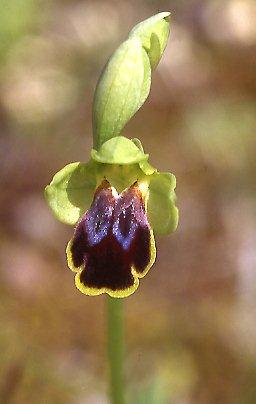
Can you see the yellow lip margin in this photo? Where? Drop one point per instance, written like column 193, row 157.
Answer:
column 120, row 293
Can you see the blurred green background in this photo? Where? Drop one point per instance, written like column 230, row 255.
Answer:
column 191, row 329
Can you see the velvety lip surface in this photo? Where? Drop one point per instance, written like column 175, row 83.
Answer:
column 113, row 244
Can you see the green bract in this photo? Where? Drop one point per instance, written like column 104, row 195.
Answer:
column 153, row 34
column 122, row 89
column 125, row 81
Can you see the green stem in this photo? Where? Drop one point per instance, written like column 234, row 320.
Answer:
column 116, row 349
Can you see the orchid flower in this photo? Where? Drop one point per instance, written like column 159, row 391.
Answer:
column 117, row 200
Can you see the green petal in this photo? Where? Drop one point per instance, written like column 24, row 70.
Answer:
column 147, row 168
column 122, row 89
column 138, row 143
column 162, row 212
column 118, row 150
column 71, row 191
column 153, row 34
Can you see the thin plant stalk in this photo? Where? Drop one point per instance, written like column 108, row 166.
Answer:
column 115, row 324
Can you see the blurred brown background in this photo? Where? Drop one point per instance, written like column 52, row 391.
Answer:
column 191, row 329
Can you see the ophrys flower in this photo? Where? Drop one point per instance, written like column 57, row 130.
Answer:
column 117, row 200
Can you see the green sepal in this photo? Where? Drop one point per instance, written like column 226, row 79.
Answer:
column 162, row 212
column 71, row 191
column 153, row 34
column 123, row 87
column 118, row 150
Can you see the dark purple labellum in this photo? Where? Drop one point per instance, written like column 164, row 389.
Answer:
column 113, row 244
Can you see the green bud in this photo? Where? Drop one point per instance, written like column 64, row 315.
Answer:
column 125, row 82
